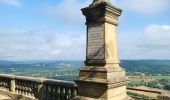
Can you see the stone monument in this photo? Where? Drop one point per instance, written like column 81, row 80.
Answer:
column 102, row 78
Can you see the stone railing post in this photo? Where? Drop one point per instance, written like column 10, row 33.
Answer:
column 12, row 84
column 40, row 90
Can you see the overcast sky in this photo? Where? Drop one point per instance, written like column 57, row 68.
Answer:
column 55, row 29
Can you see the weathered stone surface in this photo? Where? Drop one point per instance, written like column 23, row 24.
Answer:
column 28, row 88
column 164, row 97
column 102, row 78
column 95, row 48
column 3, row 97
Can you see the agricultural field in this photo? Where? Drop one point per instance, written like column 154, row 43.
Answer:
column 157, row 82
column 158, row 77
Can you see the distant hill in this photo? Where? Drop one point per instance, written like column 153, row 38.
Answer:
column 149, row 67
column 31, row 67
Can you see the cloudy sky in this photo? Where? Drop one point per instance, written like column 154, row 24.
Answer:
column 55, row 29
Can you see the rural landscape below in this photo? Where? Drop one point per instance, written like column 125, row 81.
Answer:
column 153, row 74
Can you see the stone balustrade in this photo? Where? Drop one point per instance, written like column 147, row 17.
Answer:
column 164, row 97
column 27, row 88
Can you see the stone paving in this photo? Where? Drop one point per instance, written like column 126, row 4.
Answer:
column 3, row 97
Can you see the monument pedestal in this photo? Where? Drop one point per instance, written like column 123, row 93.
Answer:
column 101, row 83
column 102, row 78
column 105, row 94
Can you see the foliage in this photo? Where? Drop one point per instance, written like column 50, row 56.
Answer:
column 148, row 67
column 139, row 96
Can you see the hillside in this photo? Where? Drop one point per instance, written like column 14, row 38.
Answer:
column 149, row 67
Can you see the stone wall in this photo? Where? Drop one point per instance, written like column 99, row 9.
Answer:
column 27, row 88
column 164, row 97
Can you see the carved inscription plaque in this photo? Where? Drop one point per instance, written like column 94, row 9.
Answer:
column 95, row 46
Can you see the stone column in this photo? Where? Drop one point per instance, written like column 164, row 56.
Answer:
column 12, row 84
column 102, row 78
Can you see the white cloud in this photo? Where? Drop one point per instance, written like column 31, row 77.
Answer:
column 35, row 45
column 152, row 43
column 158, row 35
column 11, row 2
column 146, row 7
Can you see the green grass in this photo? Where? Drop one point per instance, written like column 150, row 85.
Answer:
column 159, row 77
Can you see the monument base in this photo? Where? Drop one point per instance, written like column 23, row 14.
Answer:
column 100, row 93
column 86, row 98
column 101, row 83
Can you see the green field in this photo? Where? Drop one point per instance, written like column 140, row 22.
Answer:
column 159, row 77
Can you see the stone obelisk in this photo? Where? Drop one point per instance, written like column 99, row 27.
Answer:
column 102, row 78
